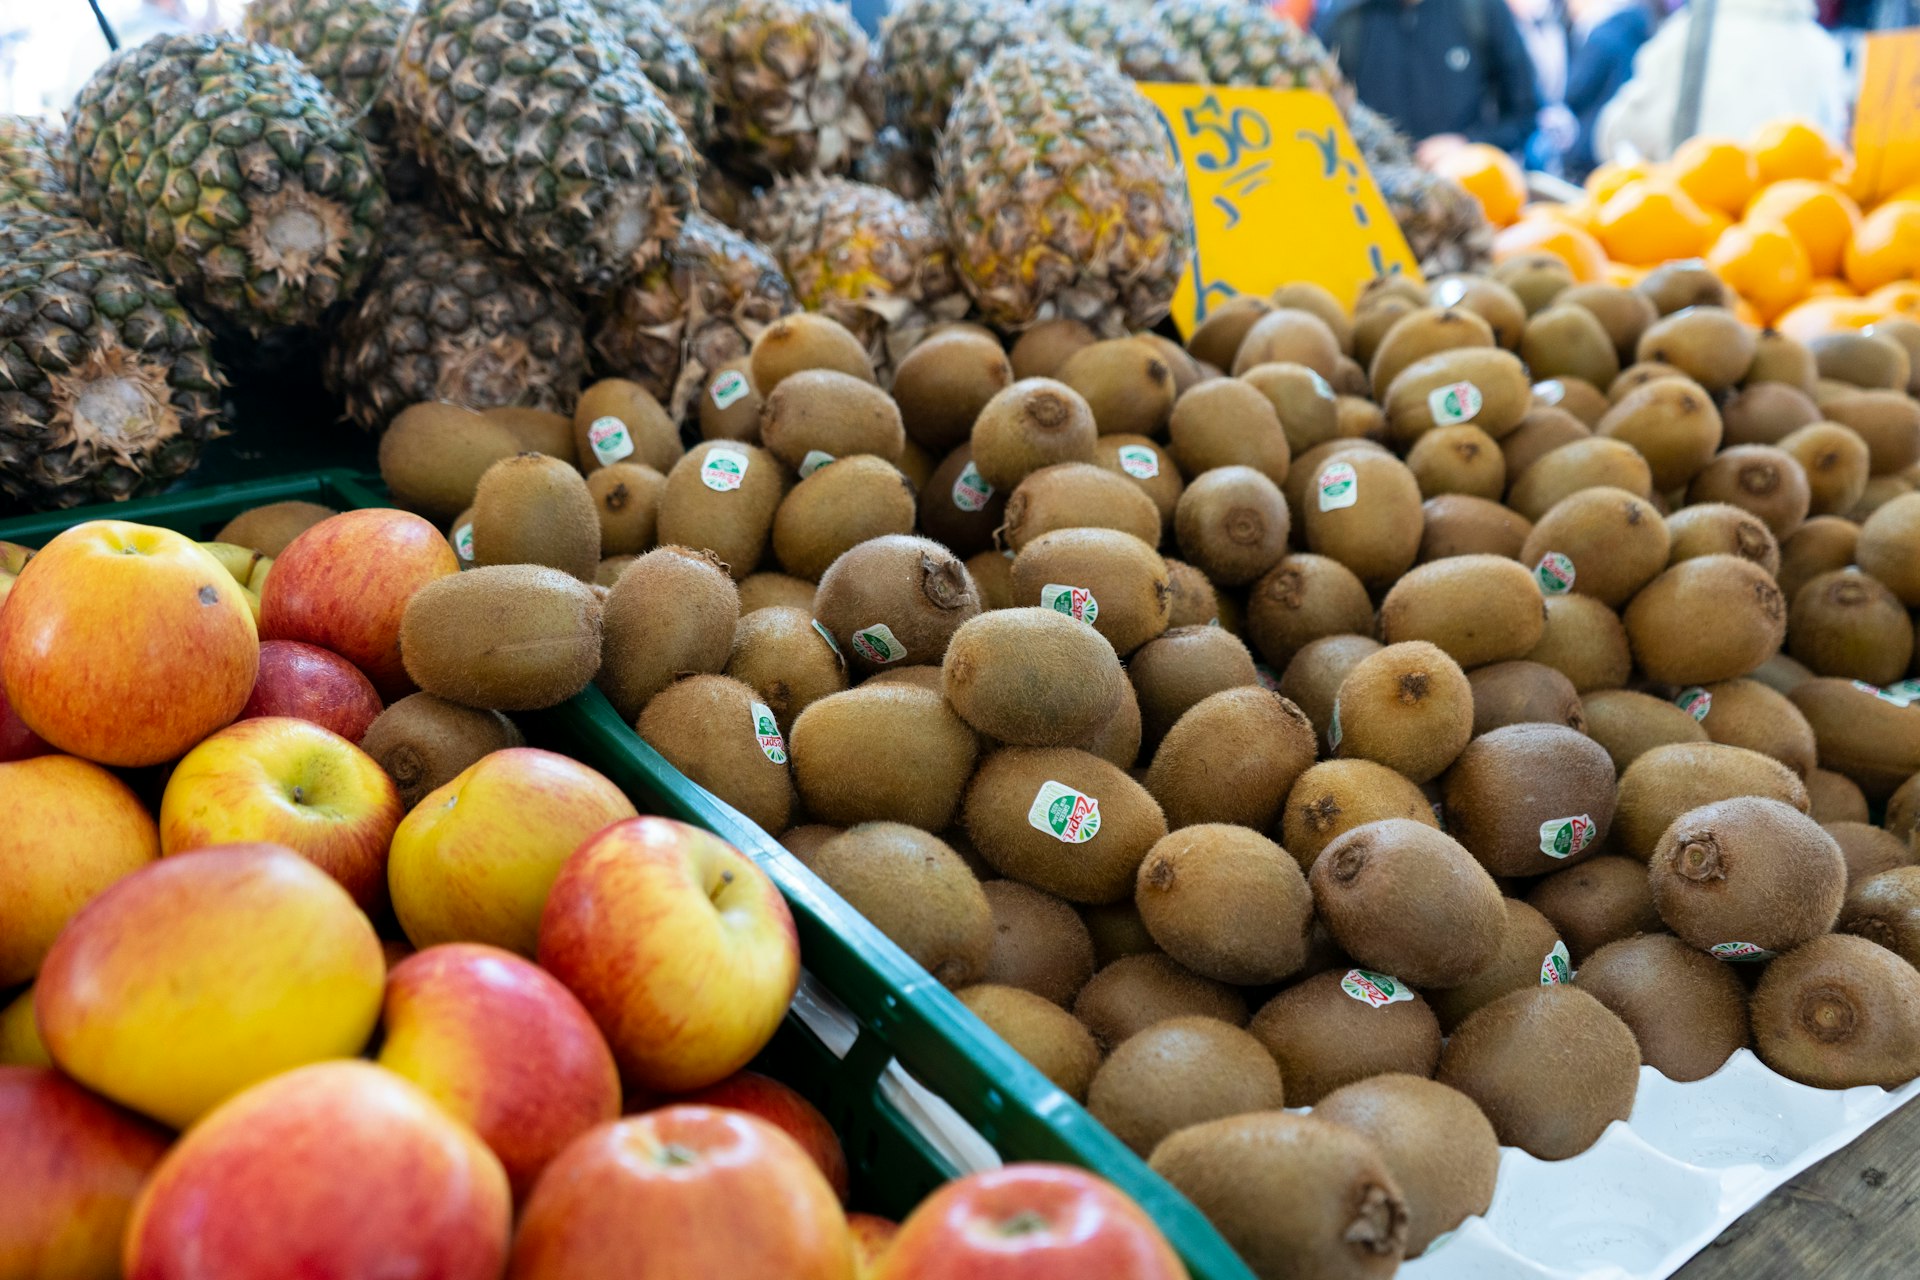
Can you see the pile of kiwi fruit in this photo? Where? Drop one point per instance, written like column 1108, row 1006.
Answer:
column 1431, row 712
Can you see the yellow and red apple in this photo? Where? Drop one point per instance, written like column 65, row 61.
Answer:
column 126, row 644
column 17, row 742
column 678, row 945
column 872, row 1237
column 202, row 974
column 248, row 567
column 785, row 1108
column 277, row 780
column 474, row 859
column 306, row 682
column 338, row 1169
column 19, row 1038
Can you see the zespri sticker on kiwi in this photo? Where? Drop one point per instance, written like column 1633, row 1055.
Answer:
column 1139, row 461
column 1740, row 951
column 1454, row 403
column 1554, row 573
column 723, row 469
column 1695, row 701
column 1069, row 816
column 1557, row 969
column 766, row 731
column 1339, row 486
column 878, row 644
column 1376, row 989
column 1075, row 602
column 609, row 439
column 970, row 489
column 1564, row 837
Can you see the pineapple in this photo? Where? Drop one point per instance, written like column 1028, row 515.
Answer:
column 227, row 166
column 1443, row 224
column 930, row 47
column 864, row 256
column 1380, row 143
column 1129, row 35
column 543, row 132
column 448, row 318
column 107, row 384
column 28, row 176
column 669, row 60
column 792, row 89
column 1059, row 196
column 1241, row 43
column 686, row 316
column 894, row 163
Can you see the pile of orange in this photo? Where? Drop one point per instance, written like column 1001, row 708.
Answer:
column 1778, row 216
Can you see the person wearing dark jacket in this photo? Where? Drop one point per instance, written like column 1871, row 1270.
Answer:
column 1442, row 70
column 1606, row 35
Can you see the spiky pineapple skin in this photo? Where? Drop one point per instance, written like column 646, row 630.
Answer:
column 544, row 134
column 929, row 48
column 1129, row 34
column 1240, row 43
column 29, row 176
column 1059, row 196
column 669, row 60
column 226, row 165
column 892, row 162
column 447, row 317
column 1443, row 223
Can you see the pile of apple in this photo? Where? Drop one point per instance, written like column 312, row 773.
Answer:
column 219, row 1059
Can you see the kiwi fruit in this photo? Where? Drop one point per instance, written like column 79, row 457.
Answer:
column 1232, row 757
column 942, row 384
column 818, row 415
column 1596, row 463
column 1217, row 338
column 1839, row 1012
column 728, row 406
column 1523, row 692
column 1636, row 376
column 1409, row 707
column 778, row 653
column 1232, row 524
column 1673, row 423
column 1833, row 798
column 514, row 637
column 1868, row 850
column 1061, row 820
column 958, row 508
column 1778, row 358
column 1722, row 529
column 1887, row 421
column 1615, row 540
column 1834, row 462
column 1043, row 1033
column 433, row 455
column 1227, row 423
column 1179, row 1073
column 888, row 752
column 1628, row 724
column 1530, row 955
column 1034, row 423
column 1363, row 510
column 535, row 509
column 1580, row 399
column 1305, row 295
column 895, row 599
column 1041, row 350
column 1687, row 282
column 269, row 528
column 1148, row 467
column 838, row 507
column 771, row 590
column 1304, row 473
column 1141, row 990
column 1306, row 404
column 1903, row 808
column 1033, row 677
column 1457, row 524
column 1302, row 599
column 1767, row 413
column 1865, row 359
column 1569, row 340
column 1889, row 547
column 1880, row 490
column 1288, row 335
column 1687, row 1011
column 1781, row 674
column 626, row 502
column 1126, row 382
column 1624, row 314
column 1227, row 903
column 1314, row 674
column 1077, row 495
column 1542, row 429
column 1458, row 459
column 1483, row 385
column 1747, row 871
column 1040, row 943
column 1372, row 323
column 1537, row 279
column 992, row 574
column 1585, row 642
column 1476, row 609
column 1768, row 482
column 1487, row 298
column 803, row 842
column 1746, row 713
column 1129, row 595
column 1707, row 343
column 1885, row 910
column 1903, row 332
column 1335, row 796
column 1405, row 899
column 1420, row 334
column 1664, row 621
column 1665, row 782
column 1846, row 623
column 616, row 420
column 1177, row 670
column 917, row 891
column 1117, row 931
column 424, row 742
column 802, row 341
column 1195, row 602
column 669, row 614
column 709, row 728
column 539, row 430
column 1326, row 1032
column 1525, row 798
column 1381, row 289
column 721, row 497
column 1599, row 901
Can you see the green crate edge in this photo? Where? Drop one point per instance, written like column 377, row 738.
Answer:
column 935, row 1038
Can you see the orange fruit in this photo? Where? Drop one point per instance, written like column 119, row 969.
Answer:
column 1818, row 214
column 1652, row 221
column 1580, row 251
column 1817, row 316
column 1830, row 287
column 1579, row 213
column 1491, row 176
column 1763, row 264
column 1902, row 297
column 1886, row 248
column 1717, row 172
column 1794, row 149
column 1626, row 277
column 1607, row 180
column 1748, row 314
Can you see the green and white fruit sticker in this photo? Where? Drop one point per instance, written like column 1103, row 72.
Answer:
column 1333, row 729
column 1904, row 694
column 1075, row 602
column 724, row 469
column 1138, row 461
column 1321, row 387
column 1695, row 701
column 877, row 644
column 1554, row 573
column 1739, row 951
column 463, row 542
column 609, row 439
column 1557, row 969
column 970, row 489
column 728, row 387
column 1262, row 672
column 1552, row 391
column 766, row 731
column 1564, row 837
column 1376, row 989
column 1063, row 813
column 815, row 459
column 1449, row 292
column 1339, row 486
column 831, row 642
column 1455, row 402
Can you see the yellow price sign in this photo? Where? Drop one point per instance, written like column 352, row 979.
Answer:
column 1886, row 127
column 1279, row 193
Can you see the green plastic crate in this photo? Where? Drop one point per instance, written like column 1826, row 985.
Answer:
column 899, row 1011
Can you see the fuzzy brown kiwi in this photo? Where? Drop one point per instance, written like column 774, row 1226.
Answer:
column 1568, row 340
column 1172, row 673
column 1636, row 376
column 433, row 455
column 1839, row 1012
column 1585, row 642
column 1217, row 338
column 958, row 508
column 1134, row 992
column 1525, row 799
column 1746, row 713
column 1905, row 333
column 424, row 742
column 1599, row 901
column 705, row 726
column 698, row 509
column 1195, row 602
column 1664, row 621
column 1747, row 870
column 1616, row 541
column 1458, row 459
column 1232, row 757
column 1624, row 314
column 1077, row 495
column 539, row 430
column 882, row 753
column 1889, row 423
column 1596, row 463
column 1420, row 334
column 1477, row 609
column 1868, row 850
column 801, row 341
column 1575, row 396
column 1709, row 344
column 1487, row 298
column 269, row 528
column 1457, row 524
column 1675, row 286
column 1043, row 1033
column 1232, row 524
column 1324, row 1036
column 1041, row 350
column 805, row 841
column 1903, row 807
column 1865, row 359
column 1834, row 461
column 992, row 574
column 778, row 654
column 1182, row 1072
column 1304, row 472
column 1363, row 509
column 1304, row 402
column 1778, row 358
column 1430, row 393
column 626, row 501
column 1880, row 490
column 1312, row 678
column 895, row 599
column 1039, row 943
column 1032, row 677
column 513, row 637
column 1766, row 413
column 1523, row 692
column 1673, row 423
column 1405, row 899
column 669, row 614
column 1118, row 740
column 1126, row 382
column 1885, row 910
column 768, row 590
column 837, row 508
column 1148, row 466
column 1889, row 547
column 1126, row 578
column 918, row 892
column 1833, row 798
column 619, row 421
column 1526, row 959
column 1847, row 624
column 819, row 414
column 1768, row 482
column 1100, row 868
column 1537, row 279
column 729, row 407
column 1409, row 707
column 1226, row 423
column 1302, row 599
column 1290, row 335
column 1687, row 1011
column 1118, row 931
column 1665, row 782
column 1227, row 903
column 943, row 383
column 1033, row 423
column 1335, row 796
column 1781, row 674
column 1722, row 529
column 1304, row 295
column 1384, row 288
column 1372, row 323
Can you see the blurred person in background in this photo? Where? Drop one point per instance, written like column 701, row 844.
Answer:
column 1606, row 35
column 1543, row 28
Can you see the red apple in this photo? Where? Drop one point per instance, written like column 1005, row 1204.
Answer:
column 344, row 583
column 678, row 945
column 688, row 1191
column 277, row 780
column 779, row 1105
column 17, row 742
column 503, row 1047
column 1030, row 1222
column 341, row 1169
column 126, row 644
column 72, row 1169
column 872, row 1237
column 306, row 682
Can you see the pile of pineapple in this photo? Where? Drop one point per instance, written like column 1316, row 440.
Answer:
column 488, row 202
